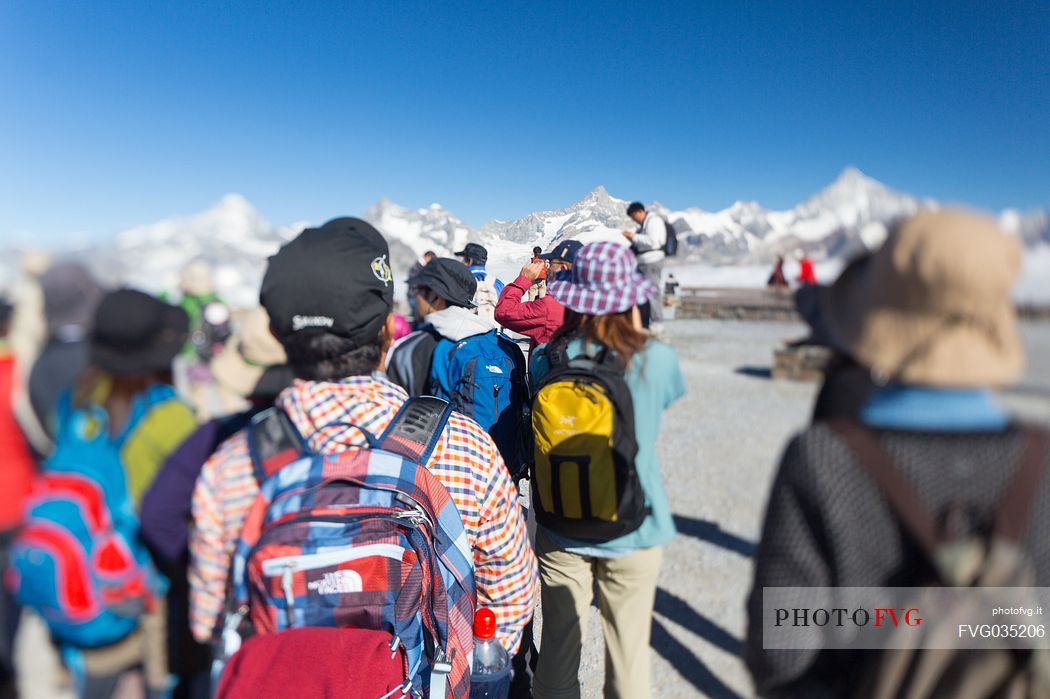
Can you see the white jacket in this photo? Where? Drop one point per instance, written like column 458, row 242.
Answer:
column 649, row 242
column 457, row 323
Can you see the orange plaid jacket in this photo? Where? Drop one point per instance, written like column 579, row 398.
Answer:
column 466, row 461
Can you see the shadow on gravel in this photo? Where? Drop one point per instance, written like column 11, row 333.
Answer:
column 713, row 534
column 757, row 372
column 690, row 667
column 674, row 607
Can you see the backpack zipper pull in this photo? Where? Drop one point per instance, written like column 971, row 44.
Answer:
column 231, row 639
column 415, row 517
column 286, row 585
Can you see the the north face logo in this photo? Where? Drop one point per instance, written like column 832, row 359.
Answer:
column 338, row 583
column 494, row 369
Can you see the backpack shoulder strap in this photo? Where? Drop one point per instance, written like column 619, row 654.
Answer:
column 558, row 353
column 438, row 381
column 513, row 351
column 1017, row 500
column 612, row 360
column 63, row 412
column 410, row 361
column 1013, row 506
column 917, row 520
column 273, row 442
column 416, row 429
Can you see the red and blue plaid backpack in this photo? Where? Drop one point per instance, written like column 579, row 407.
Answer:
column 364, row 539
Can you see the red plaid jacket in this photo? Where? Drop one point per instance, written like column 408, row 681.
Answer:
column 466, row 461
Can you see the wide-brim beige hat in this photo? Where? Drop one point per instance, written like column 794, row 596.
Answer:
column 933, row 305
column 247, row 355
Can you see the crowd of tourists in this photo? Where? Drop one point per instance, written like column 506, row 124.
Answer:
column 338, row 504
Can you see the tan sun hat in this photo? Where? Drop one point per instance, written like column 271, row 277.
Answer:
column 247, row 355
column 932, row 306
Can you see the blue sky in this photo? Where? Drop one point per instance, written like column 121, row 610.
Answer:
column 120, row 113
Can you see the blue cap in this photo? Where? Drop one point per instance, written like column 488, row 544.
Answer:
column 565, row 250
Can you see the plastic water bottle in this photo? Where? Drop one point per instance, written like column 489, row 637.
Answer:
column 490, row 676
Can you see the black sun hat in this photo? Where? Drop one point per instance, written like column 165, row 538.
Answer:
column 136, row 334
column 450, row 279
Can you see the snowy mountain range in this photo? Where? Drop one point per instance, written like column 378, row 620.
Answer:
column 849, row 215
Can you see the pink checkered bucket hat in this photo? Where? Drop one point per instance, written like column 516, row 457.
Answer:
column 604, row 280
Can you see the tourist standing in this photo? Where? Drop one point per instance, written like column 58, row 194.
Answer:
column 807, row 275
column 647, row 243
column 336, row 350
column 539, row 318
column 17, row 468
column 71, row 296
column 602, row 327
column 475, row 257
column 777, row 279
column 931, row 461
column 113, row 430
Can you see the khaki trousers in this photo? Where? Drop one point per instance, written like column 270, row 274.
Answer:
column 626, row 594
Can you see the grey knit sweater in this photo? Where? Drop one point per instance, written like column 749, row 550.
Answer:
column 827, row 524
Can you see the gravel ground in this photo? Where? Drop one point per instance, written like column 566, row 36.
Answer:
column 719, row 447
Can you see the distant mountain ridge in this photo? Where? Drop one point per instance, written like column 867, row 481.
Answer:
column 594, row 214
column 847, row 216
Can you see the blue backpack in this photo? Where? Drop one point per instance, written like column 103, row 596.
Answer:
column 484, row 377
column 78, row 560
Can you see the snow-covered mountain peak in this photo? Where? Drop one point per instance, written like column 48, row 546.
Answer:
column 234, row 204
column 593, row 216
column 433, row 228
column 599, row 197
column 231, row 235
column 599, row 200
column 853, row 187
column 745, row 209
column 232, row 219
column 851, row 176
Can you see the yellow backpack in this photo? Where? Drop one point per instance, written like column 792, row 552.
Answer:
column 584, row 481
